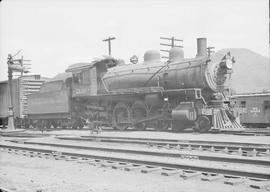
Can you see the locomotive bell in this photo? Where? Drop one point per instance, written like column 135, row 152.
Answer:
column 151, row 56
column 176, row 54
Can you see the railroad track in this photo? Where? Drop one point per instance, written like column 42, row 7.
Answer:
column 234, row 148
column 146, row 162
column 63, row 149
column 150, row 152
column 247, row 132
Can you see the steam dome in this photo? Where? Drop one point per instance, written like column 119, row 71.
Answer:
column 151, row 56
column 176, row 54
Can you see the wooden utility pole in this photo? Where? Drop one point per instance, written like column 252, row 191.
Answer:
column 109, row 39
column 210, row 51
column 10, row 107
column 172, row 43
column 14, row 65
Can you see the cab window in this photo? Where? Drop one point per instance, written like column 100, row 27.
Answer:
column 266, row 105
column 243, row 104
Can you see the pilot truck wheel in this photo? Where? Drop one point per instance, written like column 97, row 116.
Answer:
column 202, row 124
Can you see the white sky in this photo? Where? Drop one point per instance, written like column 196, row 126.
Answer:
column 55, row 34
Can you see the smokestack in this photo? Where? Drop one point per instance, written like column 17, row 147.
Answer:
column 201, row 47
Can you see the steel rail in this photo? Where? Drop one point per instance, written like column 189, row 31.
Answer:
column 164, row 165
column 254, row 161
column 175, row 142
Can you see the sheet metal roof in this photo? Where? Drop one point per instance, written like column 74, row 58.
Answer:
column 61, row 77
column 80, row 66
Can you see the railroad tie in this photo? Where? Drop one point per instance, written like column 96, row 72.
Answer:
column 134, row 167
column 212, row 149
column 17, row 152
column 263, row 184
column 57, row 155
column 24, row 153
column 31, row 154
column 39, row 154
column 170, row 172
column 60, row 157
column 187, row 174
column 108, row 163
column 233, row 180
column 10, row 151
column 20, row 141
column 72, row 158
column 47, row 155
column 226, row 150
column 252, row 153
column 266, row 153
column 149, row 169
column 97, row 162
column 92, row 162
column 121, row 165
column 189, row 148
column 211, row 176
column 167, row 146
column 239, row 151
column 83, row 160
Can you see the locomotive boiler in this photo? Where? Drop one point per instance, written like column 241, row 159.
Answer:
column 178, row 73
column 176, row 94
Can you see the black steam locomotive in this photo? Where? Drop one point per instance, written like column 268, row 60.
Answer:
column 176, row 94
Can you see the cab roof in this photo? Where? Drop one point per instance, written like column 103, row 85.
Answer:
column 78, row 67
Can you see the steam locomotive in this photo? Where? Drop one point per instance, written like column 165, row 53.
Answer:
column 176, row 94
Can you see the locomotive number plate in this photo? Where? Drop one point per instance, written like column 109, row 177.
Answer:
column 207, row 111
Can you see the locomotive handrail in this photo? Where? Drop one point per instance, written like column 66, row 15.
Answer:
column 155, row 66
column 154, row 75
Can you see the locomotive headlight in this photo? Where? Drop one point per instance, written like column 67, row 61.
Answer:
column 229, row 63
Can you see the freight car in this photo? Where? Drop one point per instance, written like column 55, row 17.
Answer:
column 176, row 94
column 255, row 108
column 22, row 87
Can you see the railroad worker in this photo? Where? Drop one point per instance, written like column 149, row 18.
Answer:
column 89, row 124
column 96, row 123
column 41, row 126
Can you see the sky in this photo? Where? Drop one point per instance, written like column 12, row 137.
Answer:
column 56, row 33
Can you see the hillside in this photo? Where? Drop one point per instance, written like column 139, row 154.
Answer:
column 251, row 71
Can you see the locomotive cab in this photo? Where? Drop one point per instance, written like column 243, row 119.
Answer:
column 87, row 77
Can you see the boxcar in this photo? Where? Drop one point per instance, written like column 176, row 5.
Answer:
column 21, row 88
column 5, row 101
column 255, row 109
